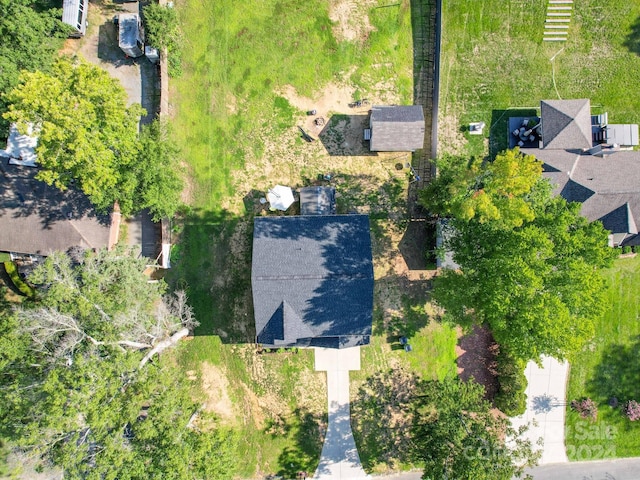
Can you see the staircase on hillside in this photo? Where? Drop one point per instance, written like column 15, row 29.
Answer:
column 556, row 25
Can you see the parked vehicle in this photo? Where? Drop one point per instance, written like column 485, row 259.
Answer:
column 130, row 36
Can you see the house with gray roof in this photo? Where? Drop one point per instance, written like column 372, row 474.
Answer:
column 312, row 281
column 603, row 178
column 396, row 128
column 37, row 219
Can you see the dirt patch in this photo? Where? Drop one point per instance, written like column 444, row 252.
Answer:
column 350, row 18
column 216, row 386
column 476, row 358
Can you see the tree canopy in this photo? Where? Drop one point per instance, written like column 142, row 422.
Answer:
column 538, row 285
column 456, row 435
column 32, row 33
column 484, row 191
column 79, row 390
column 86, row 133
column 88, row 138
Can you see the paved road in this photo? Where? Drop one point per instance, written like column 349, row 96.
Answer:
column 622, row 469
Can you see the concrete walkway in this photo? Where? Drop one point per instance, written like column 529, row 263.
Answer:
column 546, row 403
column 339, row 459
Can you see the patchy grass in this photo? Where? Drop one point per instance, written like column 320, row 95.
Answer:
column 608, row 368
column 493, row 59
column 250, row 73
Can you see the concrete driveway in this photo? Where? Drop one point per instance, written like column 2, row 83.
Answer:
column 339, row 458
column 546, row 403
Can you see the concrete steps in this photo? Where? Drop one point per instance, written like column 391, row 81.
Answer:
column 557, row 22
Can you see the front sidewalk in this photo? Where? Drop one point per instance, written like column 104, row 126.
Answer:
column 339, row 459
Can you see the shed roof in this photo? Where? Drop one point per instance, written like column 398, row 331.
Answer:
column 312, row 280
column 566, row 124
column 397, row 128
column 317, row 200
column 38, row 219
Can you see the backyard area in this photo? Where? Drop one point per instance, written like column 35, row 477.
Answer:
column 250, row 75
column 607, row 372
column 495, row 63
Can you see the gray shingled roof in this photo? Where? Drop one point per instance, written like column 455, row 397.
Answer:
column 397, row 128
column 566, row 124
column 312, row 280
column 38, row 219
column 317, row 200
column 608, row 188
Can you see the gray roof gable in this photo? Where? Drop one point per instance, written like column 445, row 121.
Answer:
column 397, row 128
column 566, row 124
column 312, row 280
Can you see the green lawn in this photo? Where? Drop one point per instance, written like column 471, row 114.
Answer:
column 493, row 59
column 606, row 368
column 234, row 127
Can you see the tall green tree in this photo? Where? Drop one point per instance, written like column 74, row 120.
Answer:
column 86, row 133
column 538, row 286
column 80, row 392
column 157, row 173
column 484, row 191
column 31, row 33
column 457, row 436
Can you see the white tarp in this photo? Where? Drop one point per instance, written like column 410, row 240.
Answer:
column 21, row 149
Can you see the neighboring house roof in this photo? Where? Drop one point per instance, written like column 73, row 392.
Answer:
column 312, row 280
column 566, row 124
column 38, row 219
column 608, row 188
column 397, row 128
column 317, row 201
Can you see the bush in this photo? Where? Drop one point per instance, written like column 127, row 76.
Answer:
column 632, row 410
column 586, row 408
column 20, row 284
column 626, row 249
column 510, row 399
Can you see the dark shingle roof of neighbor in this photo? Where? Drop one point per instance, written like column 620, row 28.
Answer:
column 608, row 188
column 38, row 219
column 566, row 124
column 317, row 200
column 312, row 280
column 397, row 128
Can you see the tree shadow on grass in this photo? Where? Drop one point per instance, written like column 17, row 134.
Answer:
column 617, row 375
column 632, row 40
column 307, row 429
column 381, row 415
column 213, row 263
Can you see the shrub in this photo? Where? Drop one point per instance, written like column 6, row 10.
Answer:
column 586, row 408
column 20, row 284
column 626, row 249
column 632, row 410
column 510, row 399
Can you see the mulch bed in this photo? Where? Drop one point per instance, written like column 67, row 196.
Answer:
column 476, row 357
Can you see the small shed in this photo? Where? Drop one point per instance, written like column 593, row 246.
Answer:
column 317, row 201
column 396, row 128
column 130, row 34
column 74, row 13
